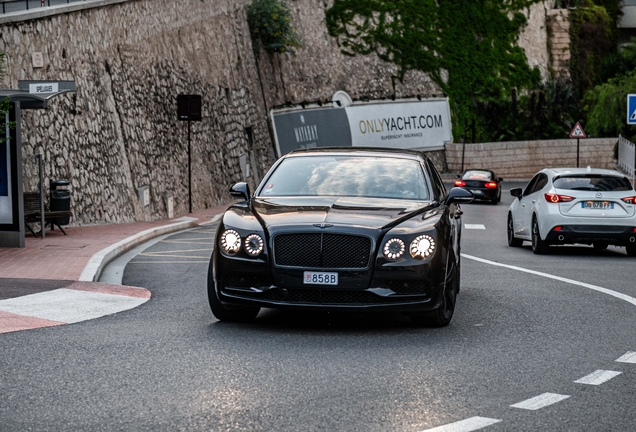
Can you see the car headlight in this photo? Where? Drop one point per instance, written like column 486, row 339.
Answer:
column 394, row 249
column 422, row 247
column 230, row 241
column 254, row 245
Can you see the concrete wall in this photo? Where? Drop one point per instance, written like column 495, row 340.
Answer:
column 522, row 159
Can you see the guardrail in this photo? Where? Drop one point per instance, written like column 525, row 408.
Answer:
column 626, row 157
column 20, row 5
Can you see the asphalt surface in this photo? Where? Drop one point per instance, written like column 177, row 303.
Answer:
column 169, row 365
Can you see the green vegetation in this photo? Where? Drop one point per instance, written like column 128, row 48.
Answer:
column 271, row 29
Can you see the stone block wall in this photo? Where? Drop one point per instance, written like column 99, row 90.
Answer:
column 522, row 159
column 120, row 130
column 559, row 28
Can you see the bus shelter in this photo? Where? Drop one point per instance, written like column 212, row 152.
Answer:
column 29, row 95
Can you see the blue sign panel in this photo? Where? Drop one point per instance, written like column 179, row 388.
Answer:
column 631, row 109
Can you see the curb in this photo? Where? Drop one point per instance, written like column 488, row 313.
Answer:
column 99, row 260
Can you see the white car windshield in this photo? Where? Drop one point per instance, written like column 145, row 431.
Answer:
column 358, row 176
column 593, row 182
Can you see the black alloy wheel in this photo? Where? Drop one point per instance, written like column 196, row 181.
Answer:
column 233, row 314
column 443, row 315
column 512, row 240
column 539, row 247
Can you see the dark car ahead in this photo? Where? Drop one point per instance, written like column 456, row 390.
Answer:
column 484, row 184
column 341, row 229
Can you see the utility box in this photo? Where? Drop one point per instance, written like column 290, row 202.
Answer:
column 144, row 195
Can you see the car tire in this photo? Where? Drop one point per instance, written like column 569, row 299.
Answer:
column 600, row 245
column 443, row 315
column 539, row 247
column 234, row 314
column 512, row 240
column 631, row 250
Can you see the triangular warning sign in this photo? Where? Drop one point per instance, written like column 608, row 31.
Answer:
column 577, row 132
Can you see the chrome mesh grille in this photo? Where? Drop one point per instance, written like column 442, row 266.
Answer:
column 318, row 250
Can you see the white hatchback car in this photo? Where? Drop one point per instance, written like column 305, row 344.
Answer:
column 574, row 205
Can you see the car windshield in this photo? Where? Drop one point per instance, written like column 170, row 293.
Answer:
column 593, row 182
column 476, row 175
column 358, row 176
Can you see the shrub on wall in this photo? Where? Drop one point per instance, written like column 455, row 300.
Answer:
column 271, row 28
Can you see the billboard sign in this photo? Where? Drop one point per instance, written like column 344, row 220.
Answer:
column 413, row 124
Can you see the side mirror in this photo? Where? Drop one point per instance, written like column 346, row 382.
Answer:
column 459, row 195
column 240, row 190
column 516, row 192
column 458, row 176
column 500, row 179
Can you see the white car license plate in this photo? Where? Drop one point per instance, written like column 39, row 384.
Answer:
column 320, row 278
column 601, row 205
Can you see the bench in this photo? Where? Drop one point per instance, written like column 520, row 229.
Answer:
column 32, row 213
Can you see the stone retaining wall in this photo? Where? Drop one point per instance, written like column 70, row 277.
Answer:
column 522, row 159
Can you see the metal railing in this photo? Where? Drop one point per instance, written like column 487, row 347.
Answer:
column 22, row 5
column 627, row 157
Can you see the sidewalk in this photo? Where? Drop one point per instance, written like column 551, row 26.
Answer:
column 51, row 281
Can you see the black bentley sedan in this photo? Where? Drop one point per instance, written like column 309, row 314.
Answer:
column 341, row 229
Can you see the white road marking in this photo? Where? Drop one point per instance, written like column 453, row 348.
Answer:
column 541, row 401
column 474, row 226
column 598, row 377
column 629, row 357
column 467, row 425
column 69, row 306
column 618, row 295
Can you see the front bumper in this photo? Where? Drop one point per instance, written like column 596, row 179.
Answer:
column 588, row 234
column 396, row 288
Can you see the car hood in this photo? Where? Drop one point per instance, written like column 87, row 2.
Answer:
column 371, row 213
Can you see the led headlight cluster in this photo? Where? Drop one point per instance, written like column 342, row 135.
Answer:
column 421, row 247
column 253, row 245
column 231, row 243
column 394, row 248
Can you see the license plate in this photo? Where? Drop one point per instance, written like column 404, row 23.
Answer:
column 600, row 205
column 320, row 278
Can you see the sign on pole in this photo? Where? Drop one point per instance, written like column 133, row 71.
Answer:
column 631, row 109
column 577, row 131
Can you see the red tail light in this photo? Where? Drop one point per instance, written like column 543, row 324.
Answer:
column 558, row 228
column 460, row 183
column 491, row 185
column 555, row 198
column 629, row 200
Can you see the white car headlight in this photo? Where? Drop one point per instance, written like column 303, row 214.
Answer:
column 254, row 245
column 422, row 247
column 394, row 249
column 230, row 241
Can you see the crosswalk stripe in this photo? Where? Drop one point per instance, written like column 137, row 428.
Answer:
column 629, row 357
column 474, row 226
column 467, row 425
column 598, row 377
column 541, row 401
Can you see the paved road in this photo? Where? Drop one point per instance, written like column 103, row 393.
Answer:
column 510, row 360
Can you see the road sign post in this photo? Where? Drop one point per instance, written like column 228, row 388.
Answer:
column 631, row 109
column 577, row 132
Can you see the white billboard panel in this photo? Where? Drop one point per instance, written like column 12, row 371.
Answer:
column 408, row 125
